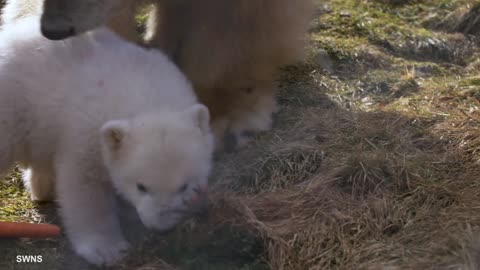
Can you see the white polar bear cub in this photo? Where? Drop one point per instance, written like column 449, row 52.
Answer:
column 94, row 114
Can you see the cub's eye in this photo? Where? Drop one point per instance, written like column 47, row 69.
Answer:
column 141, row 188
column 183, row 188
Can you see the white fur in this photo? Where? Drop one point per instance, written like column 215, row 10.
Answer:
column 95, row 113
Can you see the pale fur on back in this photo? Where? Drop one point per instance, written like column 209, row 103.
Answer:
column 45, row 87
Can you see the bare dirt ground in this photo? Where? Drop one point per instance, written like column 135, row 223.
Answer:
column 373, row 162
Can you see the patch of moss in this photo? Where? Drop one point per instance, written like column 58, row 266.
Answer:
column 15, row 203
column 392, row 29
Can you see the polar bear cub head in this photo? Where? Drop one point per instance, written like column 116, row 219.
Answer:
column 160, row 162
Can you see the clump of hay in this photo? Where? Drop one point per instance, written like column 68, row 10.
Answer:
column 449, row 48
column 365, row 173
column 315, row 226
column 286, row 166
column 464, row 133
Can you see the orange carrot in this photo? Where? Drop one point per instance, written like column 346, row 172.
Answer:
column 28, row 230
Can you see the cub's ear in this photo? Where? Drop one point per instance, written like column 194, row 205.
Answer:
column 113, row 134
column 201, row 117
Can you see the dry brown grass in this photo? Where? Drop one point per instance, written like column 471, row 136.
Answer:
column 386, row 193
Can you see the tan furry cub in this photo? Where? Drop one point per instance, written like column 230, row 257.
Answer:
column 230, row 49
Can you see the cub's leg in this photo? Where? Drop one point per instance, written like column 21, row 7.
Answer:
column 245, row 124
column 39, row 183
column 252, row 113
column 87, row 208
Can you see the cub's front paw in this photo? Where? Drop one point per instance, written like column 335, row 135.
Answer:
column 101, row 250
